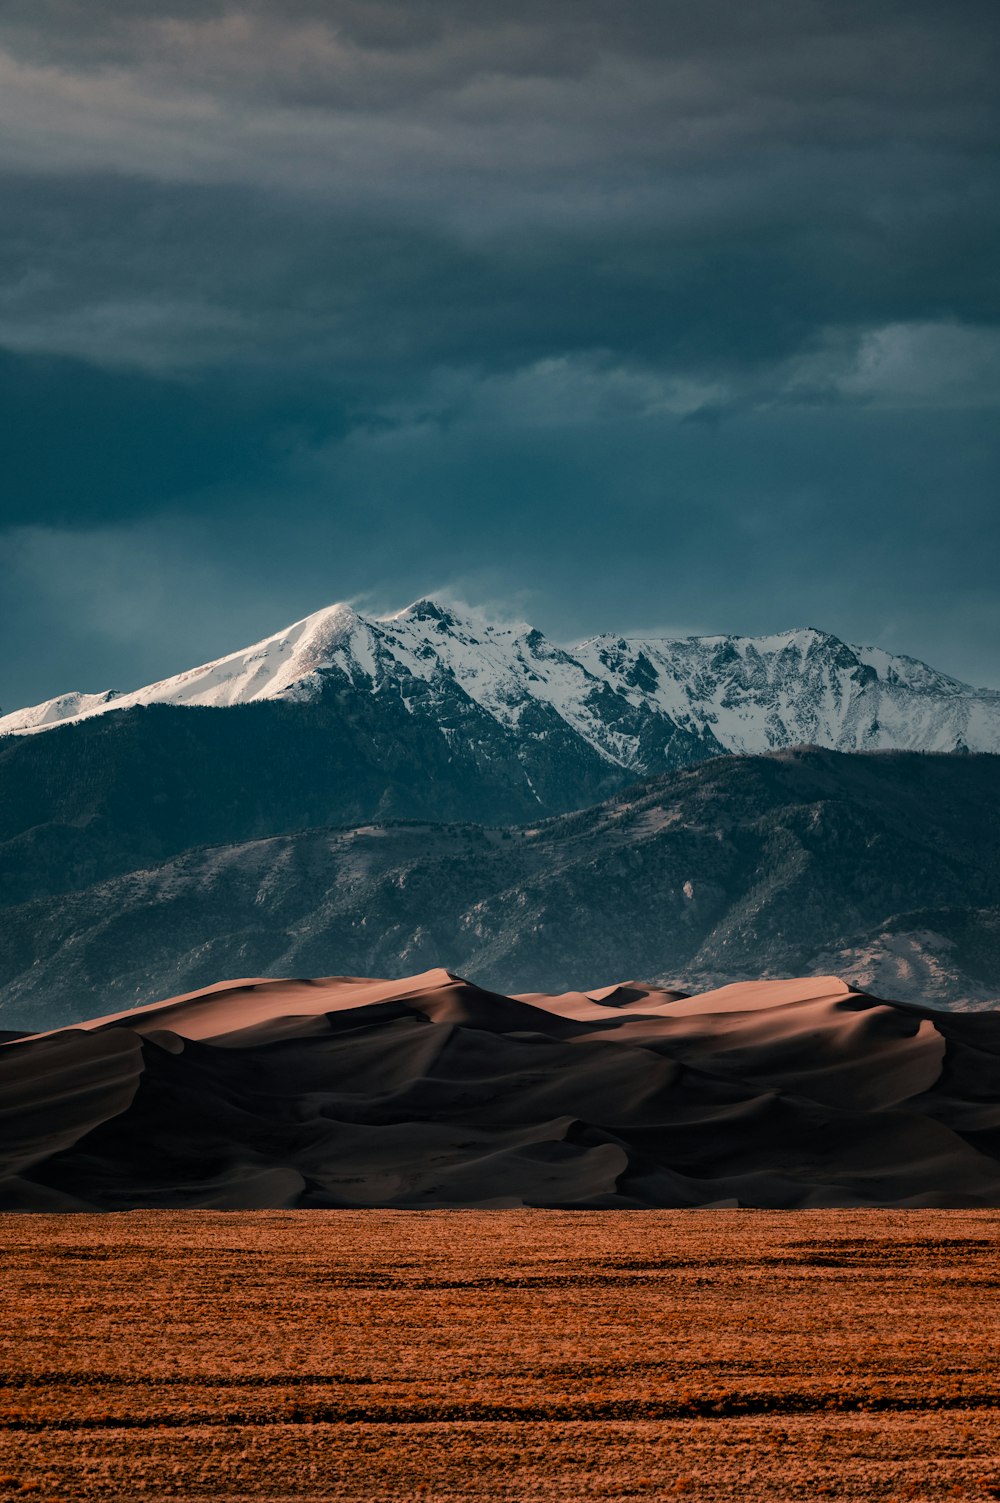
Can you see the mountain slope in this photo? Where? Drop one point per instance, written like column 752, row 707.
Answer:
column 738, row 867
column 107, row 795
column 431, row 1091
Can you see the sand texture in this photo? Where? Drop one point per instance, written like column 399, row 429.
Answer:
column 431, row 1092
column 521, row 1355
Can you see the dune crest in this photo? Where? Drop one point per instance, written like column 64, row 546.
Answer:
column 432, row 1091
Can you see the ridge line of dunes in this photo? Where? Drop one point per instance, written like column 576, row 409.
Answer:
column 430, row 1091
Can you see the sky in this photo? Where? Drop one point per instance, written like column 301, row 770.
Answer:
column 618, row 315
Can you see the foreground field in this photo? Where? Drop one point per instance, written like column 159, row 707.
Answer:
column 507, row 1355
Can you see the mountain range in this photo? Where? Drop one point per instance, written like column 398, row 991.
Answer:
column 641, row 704
column 883, row 867
column 376, row 794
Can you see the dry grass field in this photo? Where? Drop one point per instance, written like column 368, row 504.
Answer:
column 501, row 1355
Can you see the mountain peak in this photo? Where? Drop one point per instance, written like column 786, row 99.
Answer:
column 444, row 615
column 425, row 609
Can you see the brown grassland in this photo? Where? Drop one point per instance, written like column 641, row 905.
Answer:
column 514, row 1355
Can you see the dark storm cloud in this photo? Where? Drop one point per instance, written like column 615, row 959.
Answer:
column 891, row 46
column 457, row 278
column 428, row 183
column 186, row 335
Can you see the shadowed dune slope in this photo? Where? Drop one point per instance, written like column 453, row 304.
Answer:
column 430, row 1091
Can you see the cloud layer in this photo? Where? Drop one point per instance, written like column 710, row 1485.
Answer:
column 570, row 299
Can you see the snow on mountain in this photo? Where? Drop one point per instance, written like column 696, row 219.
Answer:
column 757, row 694
column 270, row 669
column 637, row 702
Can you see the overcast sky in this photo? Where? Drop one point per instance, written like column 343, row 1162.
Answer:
column 633, row 315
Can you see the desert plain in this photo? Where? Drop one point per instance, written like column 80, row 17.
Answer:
column 507, row 1354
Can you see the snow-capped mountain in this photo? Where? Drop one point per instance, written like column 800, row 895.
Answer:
column 640, row 704
column 758, row 694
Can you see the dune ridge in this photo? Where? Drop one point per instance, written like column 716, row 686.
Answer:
column 430, row 1091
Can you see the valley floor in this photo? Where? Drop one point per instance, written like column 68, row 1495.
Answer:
column 500, row 1355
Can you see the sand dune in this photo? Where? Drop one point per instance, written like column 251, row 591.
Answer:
column 431, row 1091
